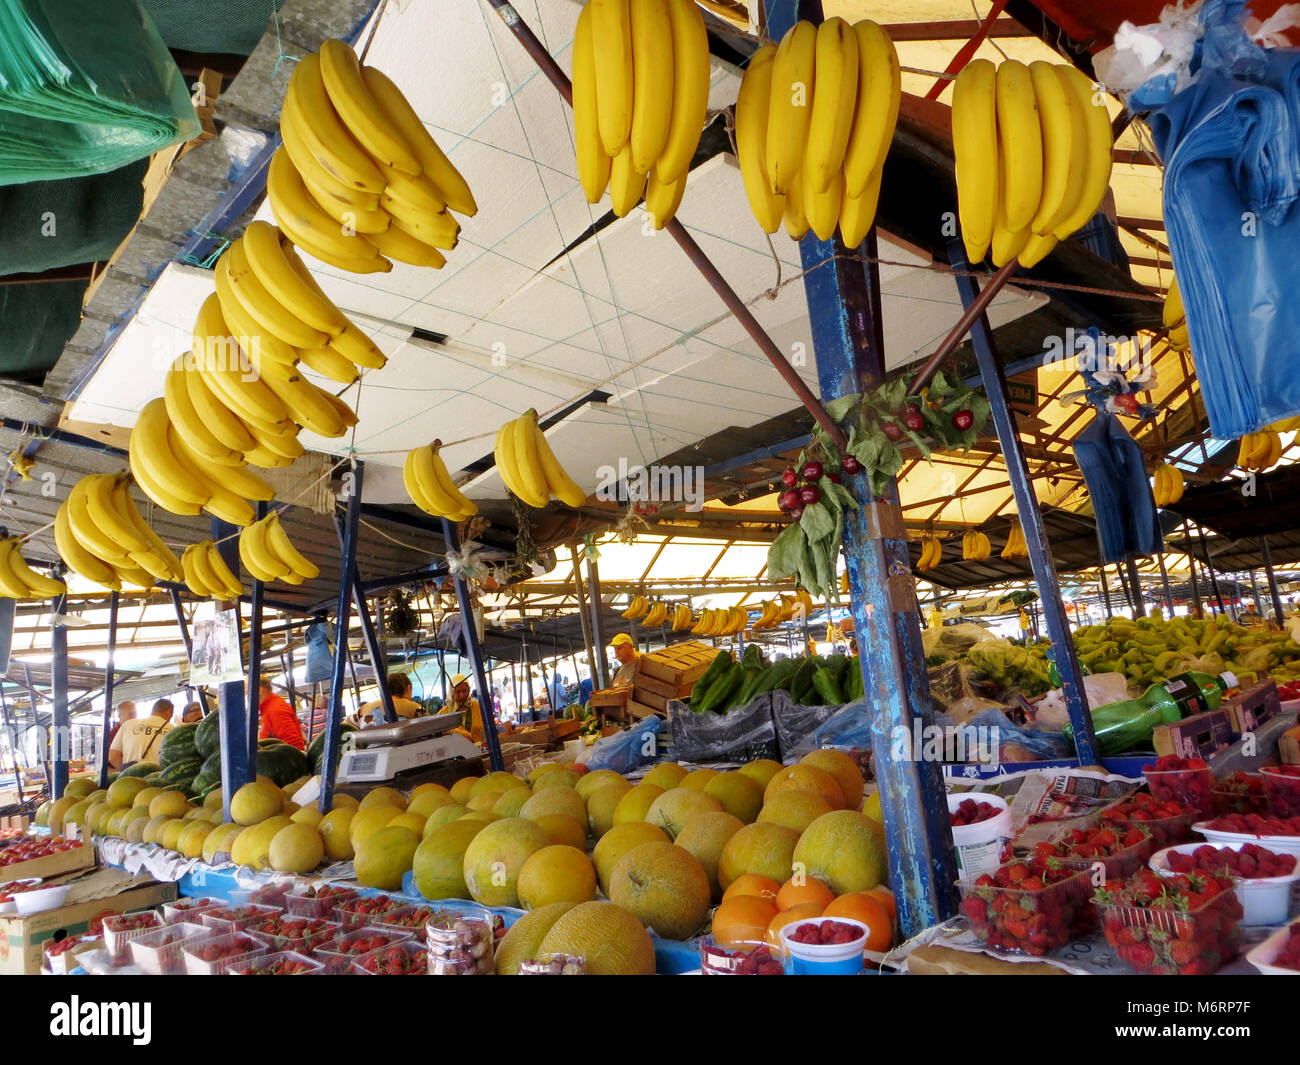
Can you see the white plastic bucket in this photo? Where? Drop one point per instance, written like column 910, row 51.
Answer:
column 1264, row 900
column 816, row 959
column 979, row 846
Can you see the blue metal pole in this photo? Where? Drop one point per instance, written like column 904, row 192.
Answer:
column 60, row 720
column 1031, row 518
column 342, row 617
column 236, row 770
column 109, row 676
column 452, row 541
column 175, row 595
column 844, row 310
column 253, row 689
column 371, row 637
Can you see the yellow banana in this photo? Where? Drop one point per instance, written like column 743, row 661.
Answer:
column 314, row 175
column 504, row 458
column 796, row 220
column 226, row 373
column 216, row 573
column 528, row 465
column 86, row 527
column 174, row 472
column 188, row 423
column 1007, row 243
column 428, row 490
column 879, row 98
column 858, row 213
column 353, row 344
column 636, row 608
column 558, row 483
column 833, row 105
column 752, row 106
column 351, row 218
column 593, row 161
column 323, row 132
column 77, row 558
column 329, row 363
column 1179, row 338
column 36, row 585
column 975, row 148
column 1098, row 153
column 346, row 413
column 305, row 402
column 822, row 209
column 1064, row 142
column 465, row 507
column 277, row 539
column 656, row 617
column 790, row 109
column 435, row 165
column 1020, row 146
column 193, row 581
column 265, row 455
column 298, row 213
column 360, row 111
column 1173, row 313
column 662, row 200
column 626, row 184
column 135, row 576
column 258, row 342
column 437, row 230
column 611, row 38
column 1036, row 249
column 690, row 92
column 652, row 81
column 169, row 566
column 419, row 193
column 258, row 558
column 10, row 586
column 271, row 265
column 397, row 244
column 276, row 318
column 238, row 479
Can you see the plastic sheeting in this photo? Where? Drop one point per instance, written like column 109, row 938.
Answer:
column 1113, row 466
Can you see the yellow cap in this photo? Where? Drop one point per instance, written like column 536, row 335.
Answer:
column 620, row 639
column 459, row 678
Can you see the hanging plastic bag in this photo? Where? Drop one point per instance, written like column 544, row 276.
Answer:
column 320, row 651
column 1113, row 467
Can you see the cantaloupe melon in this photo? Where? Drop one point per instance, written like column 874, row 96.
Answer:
column 611, row 941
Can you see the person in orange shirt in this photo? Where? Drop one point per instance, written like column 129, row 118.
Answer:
column 277, row 718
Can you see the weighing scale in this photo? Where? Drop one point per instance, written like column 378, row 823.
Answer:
column 423, row 746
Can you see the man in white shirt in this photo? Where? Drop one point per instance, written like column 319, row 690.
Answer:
column 399, row 686
column 138, row 738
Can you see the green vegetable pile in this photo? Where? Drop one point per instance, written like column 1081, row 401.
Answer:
column 813, row 681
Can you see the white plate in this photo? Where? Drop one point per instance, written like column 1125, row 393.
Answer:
column 11, row 906
column 1262, row 955
column 42, row 899
column 1286, row 844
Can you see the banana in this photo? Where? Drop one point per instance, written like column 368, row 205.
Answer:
column 81, row 561
column 278, row 541
column 266, row 456
column 193, row 581
column 395, row 243
column 558, row 483
column 430, row 487
column 324, row 134
column 329, row 363
column 1064, row 141
column 822, row 209
column 314, row 175
column 858, row 213
column 527, row 464
column 652, row 81
column 174, row 474
column 752, row 106
column 1173, row 313
column 1006, row 243
column 805, row 600
column 1020, row 146
column 257, row 300
column 1099, row 151
column 636, row 608
column 465, row 507
column 611, row 38
column 790, row 109
column 37, row 585
column 833, row 105
column 690, row 91
column 104, row 508
column 341, row 408
column 272, row 265
column 626, row 184
column 98, row 540
column 238, row 479
column 975, row 148
column 306, row 404
column 363, row 115
column 298, row 213
column 1036, row 249
column 656, row 617
column 681, row 617
column 170, row 566
column 351, row 218
column 1179, row 338
column 879, row 97
column 252, row 338
column 438, row 230
column 662, row 200
column 796, row 221
column 10, row 586
column 593, row 160
column 415, row 490
column 504, row 457
column 135, row 576
column 156, row 489
column 187, row 422
column 353, row 344
column 258, row 558
column 216, row 572
column 215, row 416
column 435, row 165
column 233, row 382
column 419, row 193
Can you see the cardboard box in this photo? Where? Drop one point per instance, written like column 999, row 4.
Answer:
column 55, row 864
column 1198, row 736
column 23, row 937
column 1250, row 709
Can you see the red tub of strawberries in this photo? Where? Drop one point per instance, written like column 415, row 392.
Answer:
column 1184, row 925
column 1169, row 823
column 1027, row 907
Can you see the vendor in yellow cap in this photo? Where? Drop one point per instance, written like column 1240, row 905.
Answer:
column 471, row 715
column 626, row 653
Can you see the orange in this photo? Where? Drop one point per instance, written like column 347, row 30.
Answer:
column 742, row 919
column 752, row 884
column 798, row 890
column 798, row 912
column 886, row 899
column 873, row 913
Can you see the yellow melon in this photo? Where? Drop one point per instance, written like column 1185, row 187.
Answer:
column 558, row 873
column 461, row 789
column 444, row 815
column 145, row 796
column 697, row 778
column 511, row 802
column 307, row 815
column 761, row 848
column 409, row 820
column 335, row 830
column 485, row 800
column 592, row 782
column 439, row 862
column 58, row 809
column 216, row 848
column 384, row 797
column 611, row 940
column 370, row 819
column 170, row 837
column 499, row 782
column 794, row 809
column 561, row 828
column 425, row 802
column 617, row 842
column 296, row 848
column 806, row 778
column 665, row 775
column 521, row 942
column 79, row 787
column 427, row 788
column 846, row 849
column 154, row 827
column 190, row 842
column 601, row 805
column 636, row 802
column 704, row 836
column 563, row 778
column 664, row 886
column 253, row 847
column 123, row 790
column 676, row 806
column 384, row 857
column 554, row 801
column 843, row 768
column 214, row 799
column 255, row 802
column 761, row 770
column 495, row 857
column 740, row 796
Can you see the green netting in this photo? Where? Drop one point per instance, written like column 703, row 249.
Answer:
column 47, row 224
column 36, row 320
column 234, row 26
column 86, row 86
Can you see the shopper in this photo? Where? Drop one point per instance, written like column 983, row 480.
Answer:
column 626, row 653
column 468, row 708
column 137, row 738
column 277, row 717
column 558, row 690
column 399, row 687
column 192, row 714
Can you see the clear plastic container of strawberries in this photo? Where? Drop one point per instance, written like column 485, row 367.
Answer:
column 364, row 910
column 1031, row 906
column 1184, row 925
column 1185, row 781
column 1121, row 850
column 1238, row 793
column 1169, row 823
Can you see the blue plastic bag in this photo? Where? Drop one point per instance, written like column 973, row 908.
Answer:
column 1115, row 471
column 320, row 651
column 624, row 751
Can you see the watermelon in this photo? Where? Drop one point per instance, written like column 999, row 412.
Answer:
column 203, row 781
column 212, row 765
column 141, row 769
column 180, row 771
column 207, row 736
column 316, row 751
column 282, row 763
column 178, row 746
column 271, row 741
column 154, row 780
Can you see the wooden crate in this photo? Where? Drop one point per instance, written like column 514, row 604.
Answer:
column 610, row 697
column 656, row 702
column 664, row 689
column 680, row 664
column 638, row 710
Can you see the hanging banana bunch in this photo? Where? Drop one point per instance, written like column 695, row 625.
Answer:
column 656, row 616
column 267, row 553
column 1033, row 151
column 1175, row 318
column 640, row 98
column 359, row 181
column 931, row 552
column 1168, row 485
column 975, row 546
column 102, row 537
column 206, row 572
column 529, row 467
column 681, row 617
column 1259, row 451
column 1015, row 545
column 430, row 485
column 1286, row 425
column 815, row 117
column 636, row 609
column 18, row 580
column 770, row 615
column 706, row 624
